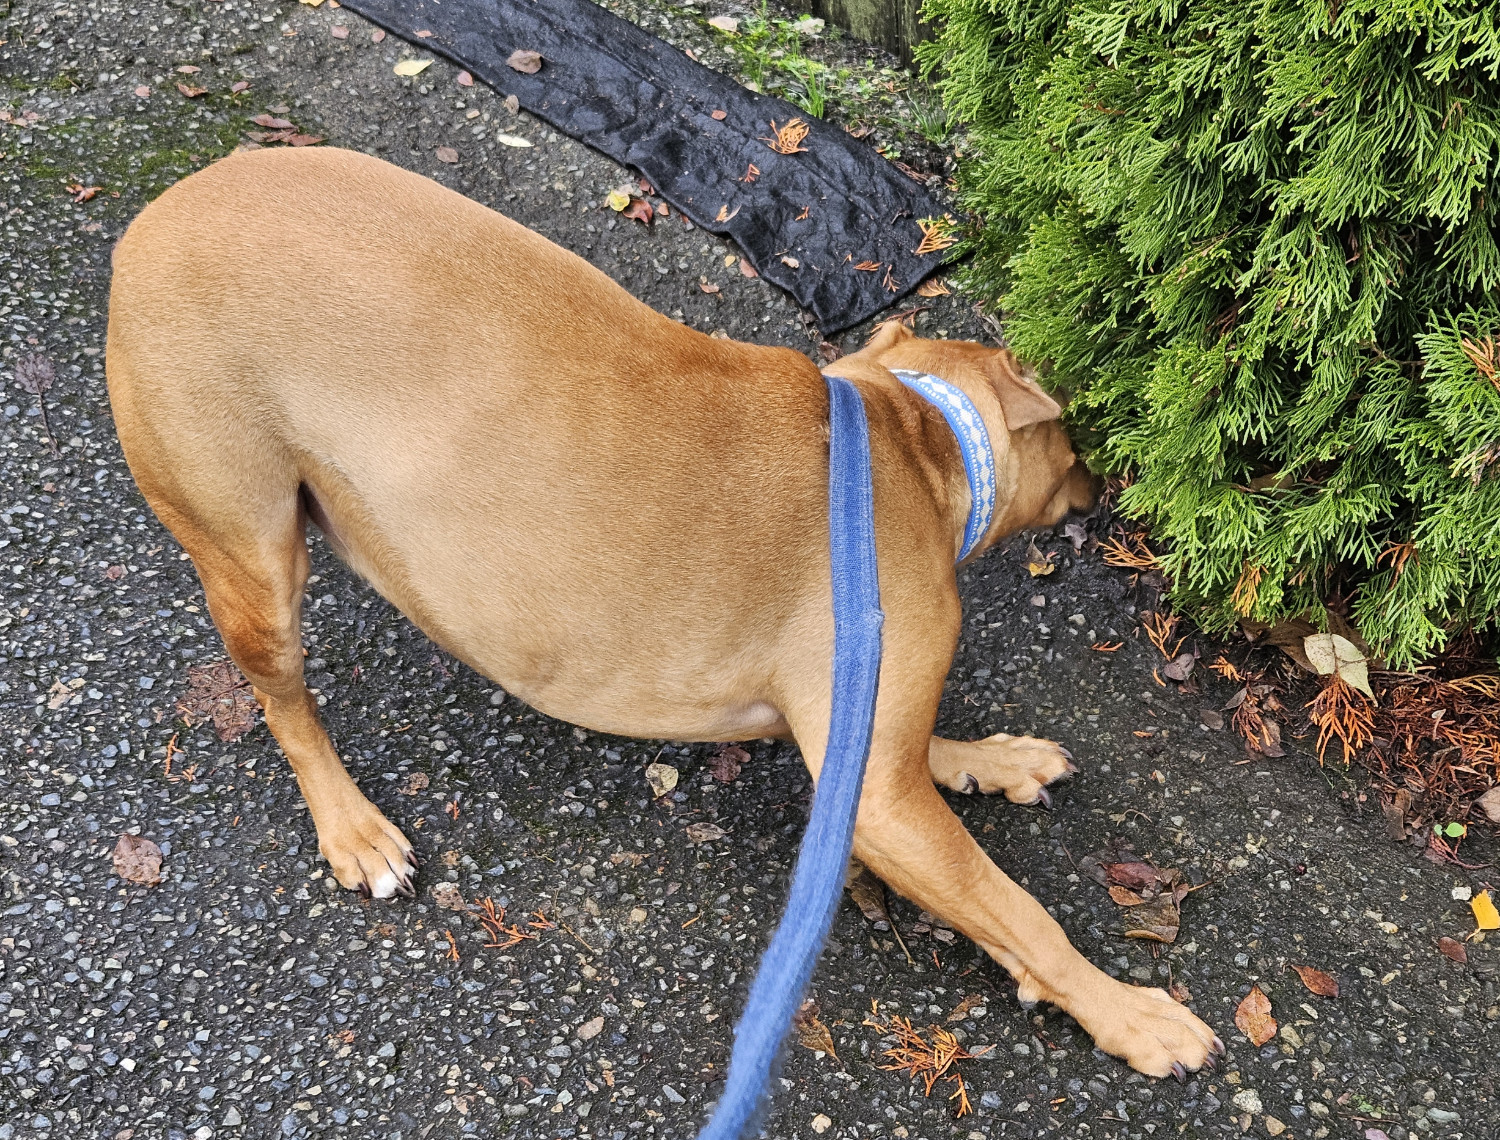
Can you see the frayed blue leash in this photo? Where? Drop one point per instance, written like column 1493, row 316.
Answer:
column 818, row 880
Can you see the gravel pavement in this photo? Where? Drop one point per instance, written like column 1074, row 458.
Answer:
column 245, row 996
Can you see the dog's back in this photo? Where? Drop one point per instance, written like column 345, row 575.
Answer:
column 526, row 460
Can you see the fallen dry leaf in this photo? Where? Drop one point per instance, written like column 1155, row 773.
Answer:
column 304, row 140
column 62, row 692
column 446, row 154
column 724, row 23
column 1134, row 876
column 662, row 778
column 962, row 1009
column 271, row 122
column 1125, row 896
column 377, row 35
column 723, row 216
column 590, row 1029
column 416, row 782
column 137, row 860
column 189, row 69
column 705, row 832
column 524, row 61
column 191, row 92
column 811, row 1032
column 830, row 351
column 1179, row 993
column 746, row 269
column 706, row 286
column 115, row 573
column 1489, row 803
column 1179, row 668
column 933, row 287
column 240, row 85
column 449, row 897
column 142, row 91
column 1253, row 1017
column 218, row 692
column 464, row 79
column 1485, row 915
column 633, row 858
column 1324, row 985
column 1037, row 563
column 1331, row 653
column 1155, row 920
column 868, row 266
column 791, row 262
column 408, row 68
column 719, row 116
column 424, row 34
column 512, row 140
column 868, row 894
column 1453, row 948
column 339, row 32
column 640, row 210
column 726, row 763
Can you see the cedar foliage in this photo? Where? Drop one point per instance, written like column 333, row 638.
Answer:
column 1257, row 243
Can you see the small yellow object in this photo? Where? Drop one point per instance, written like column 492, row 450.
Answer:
column 410, row 67
column 1485, row 914
column 729, row 259
column 617, row 200
column 312, row 3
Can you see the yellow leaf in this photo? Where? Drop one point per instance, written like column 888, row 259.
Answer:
column 312, row 3
column 1485, row 913
column 410, row 67
column 512, row 140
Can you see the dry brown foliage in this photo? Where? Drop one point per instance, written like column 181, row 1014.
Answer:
column 928, row 1060
column 1341, row 712
column 1437, row 739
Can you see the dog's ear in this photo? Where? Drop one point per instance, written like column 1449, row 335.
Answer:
column 887, row 334
column 1021, row 397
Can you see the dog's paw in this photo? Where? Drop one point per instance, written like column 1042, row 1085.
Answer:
column 1149, row 1031
column 1019, row 766
column 367, row 852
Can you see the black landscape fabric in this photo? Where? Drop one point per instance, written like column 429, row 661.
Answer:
column 829, row 208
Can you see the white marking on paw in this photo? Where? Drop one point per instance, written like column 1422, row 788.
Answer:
column 384, row 885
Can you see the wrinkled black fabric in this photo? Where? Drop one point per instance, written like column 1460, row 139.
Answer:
column 645, row 104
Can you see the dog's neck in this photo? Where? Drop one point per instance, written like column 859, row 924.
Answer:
column 973, row 444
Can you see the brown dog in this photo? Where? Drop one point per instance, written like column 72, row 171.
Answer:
column 621, row 520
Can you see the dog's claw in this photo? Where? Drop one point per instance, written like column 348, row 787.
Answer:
column 1044, row 798
column 364, row 890
column 1219, row 1047
column 411, row 857
column 970, row 784
column 1072, row 767
column 1179, row 1072
column 1066, row 755
column 405, row 888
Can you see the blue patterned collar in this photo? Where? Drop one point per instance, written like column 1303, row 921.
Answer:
column 973, row 442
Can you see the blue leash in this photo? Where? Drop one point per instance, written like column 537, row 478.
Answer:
column 818, row 880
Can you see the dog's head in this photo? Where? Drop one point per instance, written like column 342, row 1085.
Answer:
column 1048, row 480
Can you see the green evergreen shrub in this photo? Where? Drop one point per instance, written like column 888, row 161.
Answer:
column 1257, row 243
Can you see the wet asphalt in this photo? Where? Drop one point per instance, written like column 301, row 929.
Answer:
column 245, row 996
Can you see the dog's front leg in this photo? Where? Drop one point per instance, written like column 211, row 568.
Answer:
column 907, row 835
column 1019, row 766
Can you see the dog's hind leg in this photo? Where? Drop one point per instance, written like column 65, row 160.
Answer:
column 237, row 510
